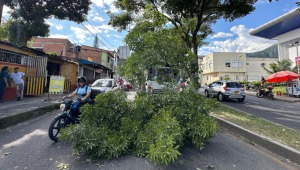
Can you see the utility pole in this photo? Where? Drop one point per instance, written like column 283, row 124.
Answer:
column 77, row 50
column 297, row 57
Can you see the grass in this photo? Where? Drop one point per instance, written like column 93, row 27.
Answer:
column 260, row 126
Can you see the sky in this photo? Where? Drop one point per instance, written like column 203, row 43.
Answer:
column 228, row 36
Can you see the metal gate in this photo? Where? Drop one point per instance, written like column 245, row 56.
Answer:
column 36, row 73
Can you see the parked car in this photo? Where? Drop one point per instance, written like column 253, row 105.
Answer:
column 106, row 85
column 153, row 87
column 226, row 90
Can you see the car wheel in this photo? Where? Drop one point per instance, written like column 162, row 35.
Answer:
column 241, row 100
column 220, row 97
column 206, row 93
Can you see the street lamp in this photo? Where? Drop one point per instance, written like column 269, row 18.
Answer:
column 238, row 65
column 297, row 57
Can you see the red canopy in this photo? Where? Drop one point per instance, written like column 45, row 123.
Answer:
column 282, row 76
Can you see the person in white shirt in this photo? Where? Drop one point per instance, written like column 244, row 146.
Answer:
column 19, row 82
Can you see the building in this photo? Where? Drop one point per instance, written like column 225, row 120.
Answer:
column 223, row 66
column 255, row 68
column 123, row 52
column 94, row 63
column 286, row 30
column 234, row 66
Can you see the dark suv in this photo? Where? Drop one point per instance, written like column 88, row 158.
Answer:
column 226, row 90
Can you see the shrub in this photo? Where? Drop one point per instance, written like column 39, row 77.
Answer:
column 155, row 126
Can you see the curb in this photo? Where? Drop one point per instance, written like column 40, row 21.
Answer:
column 275, row 147
column 12, row 120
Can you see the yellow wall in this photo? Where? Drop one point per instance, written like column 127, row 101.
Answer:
column 14, row 49
column 69, row 71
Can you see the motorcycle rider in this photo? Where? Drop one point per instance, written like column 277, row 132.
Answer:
column 83, row 93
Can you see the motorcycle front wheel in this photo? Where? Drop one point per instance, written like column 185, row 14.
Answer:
column 56, row 125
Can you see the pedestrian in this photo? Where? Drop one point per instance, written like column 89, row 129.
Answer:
column 4, row 81
column 262, row 81
column 19, row 82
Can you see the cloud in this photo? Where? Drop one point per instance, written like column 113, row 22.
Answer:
column 59, row 27
column 59, row 36
column 244, row 42
column 222, row 35
column 49, row 23
column 80, row 33
column 98, row 19
column 106, row 27
column 117, row 36
column 6, row 11
column 109, row 4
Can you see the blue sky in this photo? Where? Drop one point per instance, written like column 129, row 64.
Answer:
column 228, row 36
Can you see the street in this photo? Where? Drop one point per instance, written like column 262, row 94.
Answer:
column 284, row 113
column 27, row 146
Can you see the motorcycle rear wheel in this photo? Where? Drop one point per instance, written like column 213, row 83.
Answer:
column 56, row 125
column 259, row 95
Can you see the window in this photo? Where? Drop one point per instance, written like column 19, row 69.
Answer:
column 227, row 64
column 108, row 59
column 236, row 63
column 233, row 85
column 11, row 57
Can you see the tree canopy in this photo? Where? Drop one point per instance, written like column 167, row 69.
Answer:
column 282, row 65
column 28, row 16
column 192, row 19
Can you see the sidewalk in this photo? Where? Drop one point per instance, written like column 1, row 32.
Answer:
column 13, row 111
column 281, row 98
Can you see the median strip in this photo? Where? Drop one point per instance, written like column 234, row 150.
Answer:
column 271, row 133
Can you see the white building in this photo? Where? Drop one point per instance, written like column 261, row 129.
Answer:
column 223, row 66
column 123, row 52
column 255, row 68
column 233, row 66
column 286, row 30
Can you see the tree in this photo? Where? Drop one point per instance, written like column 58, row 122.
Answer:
column 192, row 18
column 73, row 10
column 30, row 15
column 282, row 65
column 19, row 31
column 155, row 46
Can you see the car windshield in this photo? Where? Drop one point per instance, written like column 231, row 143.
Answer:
column 102, row 83
column 233, row 85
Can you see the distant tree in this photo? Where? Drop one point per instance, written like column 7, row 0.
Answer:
column 282, row 65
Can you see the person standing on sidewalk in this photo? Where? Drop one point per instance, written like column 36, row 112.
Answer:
column 19, row 82
column 4, row 81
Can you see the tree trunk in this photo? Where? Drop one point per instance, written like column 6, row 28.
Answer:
column 1, row 9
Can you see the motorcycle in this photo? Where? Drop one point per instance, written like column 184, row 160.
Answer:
column 70, row 114
column 267, row 94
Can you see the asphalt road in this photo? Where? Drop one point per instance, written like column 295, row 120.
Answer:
column 284, row 113
column 27, row 146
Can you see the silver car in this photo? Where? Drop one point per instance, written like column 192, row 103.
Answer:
column 226, row 90
column 106, row 85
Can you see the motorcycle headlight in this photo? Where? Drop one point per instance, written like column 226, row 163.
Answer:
column 62, row 107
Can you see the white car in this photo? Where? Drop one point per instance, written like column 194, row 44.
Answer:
column 106, row 85
column 153, row 87
column 226, row 90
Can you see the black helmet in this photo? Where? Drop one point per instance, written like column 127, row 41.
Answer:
column 82, row 79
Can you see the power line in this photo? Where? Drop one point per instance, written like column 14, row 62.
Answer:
column 101, row 36
column 94, row 35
